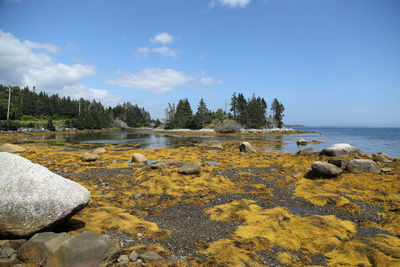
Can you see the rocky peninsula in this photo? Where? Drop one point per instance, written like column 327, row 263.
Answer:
column 220, row 203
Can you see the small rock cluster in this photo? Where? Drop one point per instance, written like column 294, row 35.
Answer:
column 335, row 166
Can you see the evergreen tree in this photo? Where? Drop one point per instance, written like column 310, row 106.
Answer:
column 241, row 109
column 256, row 109
column 234, row 105
column 50, row 125
column 277, row 110
column 184, row 114
column 202, row 116
column 170, row 116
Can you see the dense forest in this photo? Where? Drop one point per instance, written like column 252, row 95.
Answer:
column 28, row 106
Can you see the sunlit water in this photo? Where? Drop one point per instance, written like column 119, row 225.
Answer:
column 369, row 140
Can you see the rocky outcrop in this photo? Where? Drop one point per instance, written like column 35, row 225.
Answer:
column 301, row 142
column 306, row 151
column 211, row 144
column 342, row 150
column 33, row 198
column 382, row 157
column 246, row 147
column 138, row 158
column 87, row 157
column 190, row 168
column 10, row 148
column 50, row 249
column 363, row 165
column 324, row 169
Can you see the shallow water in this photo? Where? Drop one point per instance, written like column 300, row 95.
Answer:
column 369, row 140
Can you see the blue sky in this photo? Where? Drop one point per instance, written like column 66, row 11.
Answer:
column 330, row 62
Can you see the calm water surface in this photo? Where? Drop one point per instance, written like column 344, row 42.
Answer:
column 369, row 140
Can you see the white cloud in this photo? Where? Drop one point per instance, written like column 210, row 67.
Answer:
column 160, row 81
column 163, row 38
column 21, row 64
column 230, row 3
column 165, row 51
column 154, row 80
column 79, row 91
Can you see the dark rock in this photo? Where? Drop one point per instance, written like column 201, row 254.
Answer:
column 151, row 256
column 342, row 150
column 33, row 198
column 190, row 168
column 246, row 147
column 362, row 165
column 324, row 169
column 306, row 151
column 301, row 142
column 341, row 163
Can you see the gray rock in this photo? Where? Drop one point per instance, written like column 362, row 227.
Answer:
column 211, row 144
column 50, row 249
column 341, row 163
column 123, row 259
column 151, row 256
column 7, row 254
column 382, row 157
column 301, row 142
column 133, row 256
column 87, row 157
column 34, row 198
column 138, row 158
column 246, row 147
column 14, row 243
column 158, row 165
column 190, row 168
column 362, row 165
column 10, row 148
column 386, row 170
column 99, row 150
column 324, row 169
column 342, row 150
column 306, row 151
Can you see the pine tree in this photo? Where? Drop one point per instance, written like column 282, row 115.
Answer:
column 234, row 105
column 277, row 110
column 202, row 116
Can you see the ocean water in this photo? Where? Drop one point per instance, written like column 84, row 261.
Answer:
column 368, row 139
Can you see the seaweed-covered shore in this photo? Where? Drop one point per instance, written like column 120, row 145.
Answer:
column 252, row 209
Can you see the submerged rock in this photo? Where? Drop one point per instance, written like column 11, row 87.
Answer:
column 211, row 144
column 306, row 151
column 11, row 148
column 87, row 157
column 246, row 147
column 190, row 168
column 342, row 150
column 33, row 198
column 138, row 158
column 50, row 249
column 324, row 169
column 363, row 165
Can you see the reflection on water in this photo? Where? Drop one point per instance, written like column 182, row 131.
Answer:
column 369, row 140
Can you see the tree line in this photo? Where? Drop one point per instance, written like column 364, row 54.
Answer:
column 250, row 113
column 29, row 105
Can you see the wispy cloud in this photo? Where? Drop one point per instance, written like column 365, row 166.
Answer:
column 229, row 3
column 162, row 38
column 164, row 51
column 159, row 81
column 40, row 46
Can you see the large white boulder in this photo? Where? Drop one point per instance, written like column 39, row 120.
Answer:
column 33, row 198
column 342, row 150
